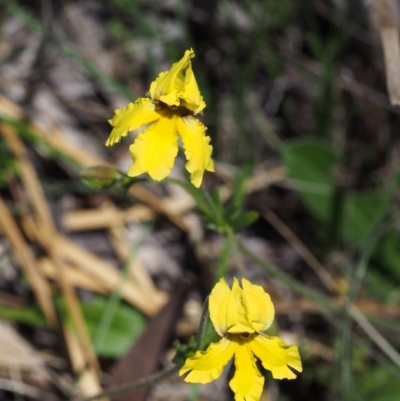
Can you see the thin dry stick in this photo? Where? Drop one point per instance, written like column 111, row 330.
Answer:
column 27, row 261
column 75, row 277
column 104, row 272
column 143, row 194
column 46, row 232
column 137, row 273
column 383, row 344
column 25, row 389
column 57, row 141
column 310, row 259
column 364, row 305
column 94, row 219
column 391, row 47
column 301, row 249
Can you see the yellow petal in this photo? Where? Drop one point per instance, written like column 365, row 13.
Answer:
column 276, row 356
column 259, row 307
column 247, row 383
column 191, row 96
column 197, row 148
column 242, row 324
column 222, row 307
column 169, row 85
column 206, row 366
column 226, row 310
column 155, row 149
column 130, row 118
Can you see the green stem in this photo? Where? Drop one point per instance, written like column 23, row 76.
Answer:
column 293, row 284
column 203, row 325
column 223, row 261
column 235, row 249
column 113, row 303
column 351, row 313
column 324, row 302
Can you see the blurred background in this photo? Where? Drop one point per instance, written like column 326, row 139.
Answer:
column 98, row 280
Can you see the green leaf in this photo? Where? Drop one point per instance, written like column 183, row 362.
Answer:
column 387, row 252
column 218, row 206
column 244, row 220
column 361, row 213
column 126, row 326
column 27, row 314
column 379, row 384
column 310, row 163
column 184, row 351
column 210, row 206
column 238, row 193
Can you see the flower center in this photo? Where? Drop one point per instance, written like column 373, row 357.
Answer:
column 180, row 111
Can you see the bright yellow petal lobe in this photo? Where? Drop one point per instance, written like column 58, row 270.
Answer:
column 155, row 149
column 169, row 86
column 219, row 292
column 247, row 383
column 226, row 310
column 206, row 366
column 259, row 307
column 191, row 96
column 130, row 118
column 226, row 314
column 242, row 324
column 197, row 148
column 276, row 356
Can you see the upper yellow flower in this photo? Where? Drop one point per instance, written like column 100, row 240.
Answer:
column 239, row 316
column 174, row 100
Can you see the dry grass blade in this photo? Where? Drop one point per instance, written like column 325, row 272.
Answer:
column 45, row 231
column 158, row 205
column 85, row 159
column 27, row 262
column 53, row 139
column 106, row 274
column 391, row 48
column 10, row 109
column 353, row 310
column 366, row 306
column 74, row 276
column 94, row 219
column 301, row 249
column 15, row 351
column 137, row 272
column 37, row 200
column 88, row 379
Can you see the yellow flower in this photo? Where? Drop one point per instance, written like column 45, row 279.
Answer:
column 240, row 315
column 174, row 100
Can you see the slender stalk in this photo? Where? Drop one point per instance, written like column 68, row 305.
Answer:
column 374, row 334
column 223, row 261
column 292, row 283
column 350, row 312
column 324, row 302
column 203, row 325
column 235, row 249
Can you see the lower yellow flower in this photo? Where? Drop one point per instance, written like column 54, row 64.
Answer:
column 169, row 111
column 239, row 316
